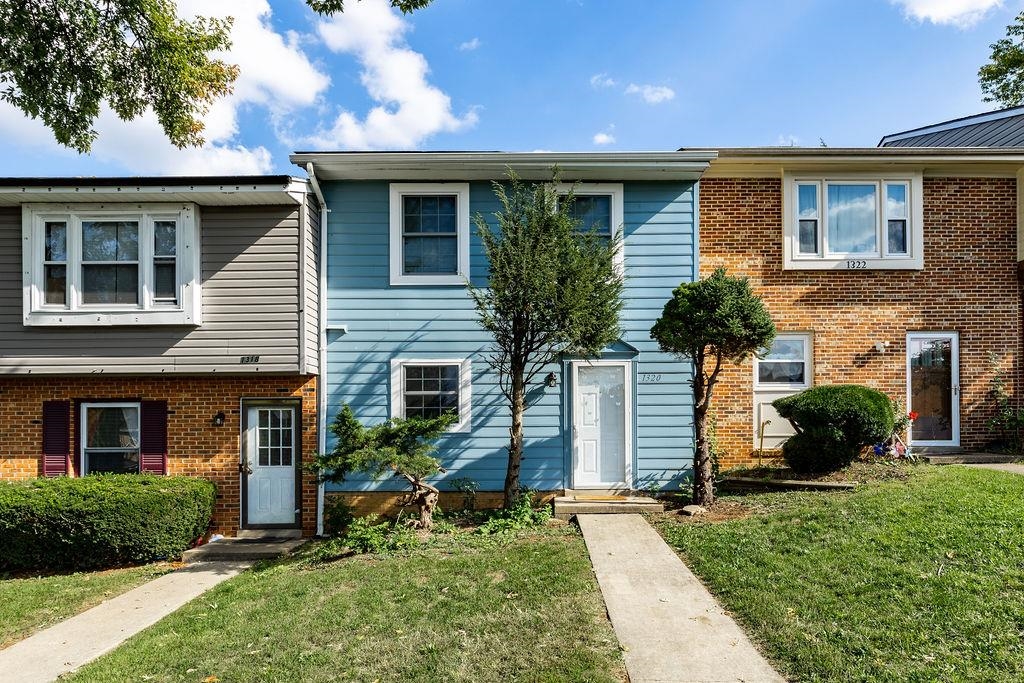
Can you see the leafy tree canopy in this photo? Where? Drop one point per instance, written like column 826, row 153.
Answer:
column 1002, row 79
column 62, row 60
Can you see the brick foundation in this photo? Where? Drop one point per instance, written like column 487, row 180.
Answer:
column 195, row 447
column 387, row 503
column 969, row 285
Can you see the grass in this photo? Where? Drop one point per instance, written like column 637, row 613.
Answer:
column 920, row 580
column 463, row 608
column 32, row 603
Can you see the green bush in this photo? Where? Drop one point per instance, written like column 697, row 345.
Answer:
column 370, row 534
column 833, row 423
column 100, row 520
column 522, row 515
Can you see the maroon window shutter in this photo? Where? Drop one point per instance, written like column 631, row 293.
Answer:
column 56, row 437
column 153, row 439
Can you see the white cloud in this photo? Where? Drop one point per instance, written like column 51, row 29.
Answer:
column 605, row 137
column 469, row 45
column 959, row 13
column 652, row 94
column 602, row 80
column 274, row 73
column 409, row 108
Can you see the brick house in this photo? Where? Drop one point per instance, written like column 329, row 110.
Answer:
column 165, row 325
column 892, row 267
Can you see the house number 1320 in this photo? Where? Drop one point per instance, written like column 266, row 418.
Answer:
column 648, row 378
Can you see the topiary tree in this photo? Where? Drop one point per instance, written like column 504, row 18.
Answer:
column 833, row 422
column 552, row 289
column 402, row 446
column 710, row 322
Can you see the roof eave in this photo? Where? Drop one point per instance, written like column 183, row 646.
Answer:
column 205, row 191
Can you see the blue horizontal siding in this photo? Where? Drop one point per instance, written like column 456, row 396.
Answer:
column 385, row 322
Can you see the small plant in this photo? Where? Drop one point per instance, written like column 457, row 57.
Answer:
column 468, row 488
column 522, row 515
column 371, row 534
column 402, row 446
column 1007, row 421
column 337, row 516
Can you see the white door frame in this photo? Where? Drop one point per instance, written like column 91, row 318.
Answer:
column 245, row 405
column 627, row 378
column 954, row 338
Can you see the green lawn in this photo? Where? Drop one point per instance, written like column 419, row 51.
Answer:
column 921, row 580
column 466, row 608
column 30, row 604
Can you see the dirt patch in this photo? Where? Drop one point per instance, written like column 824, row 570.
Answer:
column 721, row 511
column 859, row 472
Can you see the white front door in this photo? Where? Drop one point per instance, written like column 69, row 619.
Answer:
column 933, row 388
column 271, row 458
column 601, row 425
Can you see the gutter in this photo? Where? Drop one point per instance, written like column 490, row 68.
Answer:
column 322, row 329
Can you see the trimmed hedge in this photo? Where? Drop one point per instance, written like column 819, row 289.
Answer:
column 100, row 520
column 833, row 423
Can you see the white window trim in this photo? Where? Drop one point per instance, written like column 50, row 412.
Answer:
column 83, row 410
column 618, row 226
column 465, row 388
column 825, row 260
column 397, row 191
column 37, row 313
column 808, row 343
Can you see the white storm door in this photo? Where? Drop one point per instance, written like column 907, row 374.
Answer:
column 600, row 425
column 933, row 388
column 271, row 457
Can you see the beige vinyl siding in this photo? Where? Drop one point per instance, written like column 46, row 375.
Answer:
column 311, row 285
column 250, row 298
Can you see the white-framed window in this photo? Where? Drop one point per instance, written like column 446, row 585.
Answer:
column 110, row 437
column 598, row 207
column 429, row 233
column 854, row 222
column 110, row 265
column 786, row 365
column 431, row 387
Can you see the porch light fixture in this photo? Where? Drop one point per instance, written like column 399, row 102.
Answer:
column 881, row 346
column 218, row 419
column 551, row 380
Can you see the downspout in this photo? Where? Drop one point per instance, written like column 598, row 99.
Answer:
column 322, row 352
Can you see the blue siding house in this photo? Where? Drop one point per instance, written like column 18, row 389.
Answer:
column 401, row 335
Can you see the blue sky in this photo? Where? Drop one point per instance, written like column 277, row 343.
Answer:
column 557, row 75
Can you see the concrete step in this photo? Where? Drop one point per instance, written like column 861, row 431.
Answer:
column 567, row 507
column 241, row 549
column 268, row 534
column 969, row 458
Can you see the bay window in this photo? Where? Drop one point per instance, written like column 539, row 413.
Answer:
column 96, row 265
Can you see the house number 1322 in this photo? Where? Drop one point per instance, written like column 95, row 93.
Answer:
column 856, row 265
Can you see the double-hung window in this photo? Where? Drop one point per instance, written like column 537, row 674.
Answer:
column 597, row 207
column 786, row 365
column 431, row 388
column 429, row 233
column 89, row 265
column 853, row 223
column 110, row 438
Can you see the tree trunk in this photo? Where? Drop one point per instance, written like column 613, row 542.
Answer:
column 515, row 447
column 427, row 501
column 703, row 482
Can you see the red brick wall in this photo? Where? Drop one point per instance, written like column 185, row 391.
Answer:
column 195, row 446
column 968, row 285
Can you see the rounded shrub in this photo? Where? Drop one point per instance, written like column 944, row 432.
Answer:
column 100, row 520
column 834, row 422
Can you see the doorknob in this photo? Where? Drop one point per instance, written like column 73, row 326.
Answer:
column 245, row 467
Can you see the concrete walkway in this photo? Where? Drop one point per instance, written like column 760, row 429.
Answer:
column 1014, row 467
column 64, row 647
column 671, row 629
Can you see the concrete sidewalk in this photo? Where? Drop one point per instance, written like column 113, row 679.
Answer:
column 1013, row 467
column 671, row 629
column 64, row 647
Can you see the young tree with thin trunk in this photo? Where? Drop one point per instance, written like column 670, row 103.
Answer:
column 553, row 289
column 710, row 322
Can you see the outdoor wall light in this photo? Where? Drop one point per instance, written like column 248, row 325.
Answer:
column 218, row 419
column 881, row 346
column 551, row 380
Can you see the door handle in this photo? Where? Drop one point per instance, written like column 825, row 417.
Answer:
column 245, row 467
